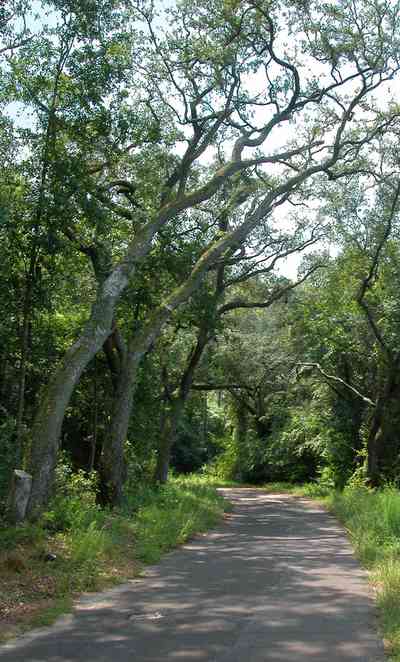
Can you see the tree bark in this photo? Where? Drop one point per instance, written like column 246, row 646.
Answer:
column 26, row 317
column 113, row 468
column 50, row 415
column 55, row 399
column 167, row 439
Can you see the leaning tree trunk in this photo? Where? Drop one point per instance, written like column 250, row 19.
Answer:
column 173, row 414
column 112, row 463
column 48, row 422
column 46, row 429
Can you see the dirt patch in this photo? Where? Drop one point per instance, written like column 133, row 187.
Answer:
column 31, row 588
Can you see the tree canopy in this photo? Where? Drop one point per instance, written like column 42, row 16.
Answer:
column 159, row 165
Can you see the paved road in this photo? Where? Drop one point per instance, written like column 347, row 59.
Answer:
column 276, row 581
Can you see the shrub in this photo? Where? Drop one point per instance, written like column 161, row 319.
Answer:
column 73, row 505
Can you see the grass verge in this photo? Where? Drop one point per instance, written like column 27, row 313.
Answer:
column 94, row 548
column 372, row 519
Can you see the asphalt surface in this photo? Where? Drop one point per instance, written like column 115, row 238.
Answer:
column 276, row 581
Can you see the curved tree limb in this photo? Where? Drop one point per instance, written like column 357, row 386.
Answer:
column 333, row 378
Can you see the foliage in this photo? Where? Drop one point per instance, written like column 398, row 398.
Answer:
column 7, row 450
column 74, row 505
column 107, row 189
column 107, row 114
column 159, row 164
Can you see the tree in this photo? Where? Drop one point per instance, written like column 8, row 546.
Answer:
column 375, row 300
column 14, row 31
column 253, row 361
column 217, row 109
column 226, row 296
column 351, row 343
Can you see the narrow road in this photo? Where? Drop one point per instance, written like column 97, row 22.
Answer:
column 277, row 581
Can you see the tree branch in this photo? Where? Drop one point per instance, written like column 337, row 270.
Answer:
column 333, row 378
column 371, row 276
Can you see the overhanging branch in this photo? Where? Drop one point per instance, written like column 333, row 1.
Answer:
column 334, row 378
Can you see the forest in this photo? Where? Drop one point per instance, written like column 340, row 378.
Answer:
column 199, row 242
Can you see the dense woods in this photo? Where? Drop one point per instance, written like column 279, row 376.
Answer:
column 166, row 169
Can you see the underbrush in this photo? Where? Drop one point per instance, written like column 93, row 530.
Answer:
column 174, row 513
column 77, row 546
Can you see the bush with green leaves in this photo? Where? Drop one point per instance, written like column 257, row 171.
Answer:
column 74, row 504
column 283, row 455
column 225, row 464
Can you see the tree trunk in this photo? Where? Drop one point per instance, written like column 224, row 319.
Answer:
column 167, row 439
column 55, row 399
column 48, row 422
column 373, row 454
column 112, row 467
column 49, row 418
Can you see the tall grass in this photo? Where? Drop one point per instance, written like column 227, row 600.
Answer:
column 176, row 512
column 372, row 519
